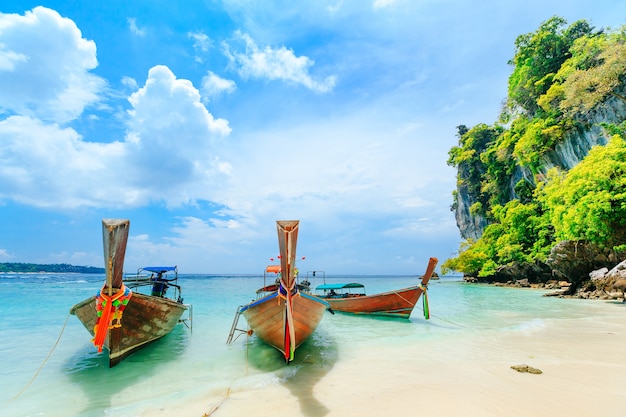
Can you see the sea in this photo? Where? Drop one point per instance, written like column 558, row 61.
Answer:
column 51, row 368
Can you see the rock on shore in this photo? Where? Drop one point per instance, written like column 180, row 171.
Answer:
column 606, row 285
column 573, row 269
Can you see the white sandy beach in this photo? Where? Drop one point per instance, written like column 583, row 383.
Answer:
column 583, row 362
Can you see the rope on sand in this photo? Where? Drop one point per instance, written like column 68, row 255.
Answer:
column 214, row 409
column 218, row 405
column 44, row 361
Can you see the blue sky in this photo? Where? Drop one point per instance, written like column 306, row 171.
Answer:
column 204, row 122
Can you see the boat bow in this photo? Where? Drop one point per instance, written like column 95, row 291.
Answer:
column 285, row 317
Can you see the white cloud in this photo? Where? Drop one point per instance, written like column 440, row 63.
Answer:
column 130, row 83
column 167, row 154
column 194, row 238
column 201, row 44
column 49, row 166
column 9, row 60
column 348, row 166
column 134, row 29
column 74, row 258
column 165, row 105
column 275, row 64
column 170, row 139
column 4, row 255
column 213, row 85
column 44, row 66
column 379, row 4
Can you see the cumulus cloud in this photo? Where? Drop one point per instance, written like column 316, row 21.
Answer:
column 170, row 128
column 46, row 165
column 274, row 64
column 44, row 66
column 165, row 103
column 168, row 149
column 167, row 154
column 213, row 85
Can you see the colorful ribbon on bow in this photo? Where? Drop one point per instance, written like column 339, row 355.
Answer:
column 290, row 331
column 109, row 310
column 425, row 302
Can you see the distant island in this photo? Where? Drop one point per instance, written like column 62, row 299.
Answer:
column 49, row 268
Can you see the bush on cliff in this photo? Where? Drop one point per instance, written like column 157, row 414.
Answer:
column 561, row 75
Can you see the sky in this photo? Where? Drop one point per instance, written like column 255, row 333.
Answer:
column 204, row 122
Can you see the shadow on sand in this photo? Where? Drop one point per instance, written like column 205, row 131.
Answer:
column 313, row 360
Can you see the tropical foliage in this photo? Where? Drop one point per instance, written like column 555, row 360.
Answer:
column 589, row 202
column 561, row 73
column 538, row 57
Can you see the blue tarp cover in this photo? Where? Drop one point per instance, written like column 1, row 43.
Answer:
column 339, row 286
column 159, row 268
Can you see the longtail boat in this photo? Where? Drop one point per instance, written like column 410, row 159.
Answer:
column 119, row 316
column 351, row 297
column 283, row 316
column 273, row 271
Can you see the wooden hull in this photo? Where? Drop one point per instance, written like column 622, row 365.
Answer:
column 399, row 303
column 145, row 319
column 267, row 318
column 286, row 317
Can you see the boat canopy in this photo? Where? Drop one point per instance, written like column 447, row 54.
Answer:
column 273, row 268
column 158, row 269
column 339, row 286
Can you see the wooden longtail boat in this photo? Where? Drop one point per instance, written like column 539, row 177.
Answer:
column 304, row 286
column 284, row 317
column 119, row 316
column 351, row 298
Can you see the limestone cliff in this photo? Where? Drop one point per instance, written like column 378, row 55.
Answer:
column 572, row 149
column 470, row 226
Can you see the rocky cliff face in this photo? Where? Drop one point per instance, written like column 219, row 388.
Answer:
column 567, row 154
column 576, row 145
column 471, row 227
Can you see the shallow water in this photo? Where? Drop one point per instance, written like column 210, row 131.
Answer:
column 186, row 365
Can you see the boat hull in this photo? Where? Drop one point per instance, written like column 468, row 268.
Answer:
column 145, row 319
column 267, row 317
column 398, row 303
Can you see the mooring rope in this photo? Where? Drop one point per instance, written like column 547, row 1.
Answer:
column 227, row 395
column 218, row 405
column 408, row 302
column 426, row 308
column 44, row 361
column 443, row 319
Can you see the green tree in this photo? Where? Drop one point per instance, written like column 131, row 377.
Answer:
column 589, row 202
column 470, row 259
column 467, row 158
column 519, row 234
column 600, row 75
column 538, row 57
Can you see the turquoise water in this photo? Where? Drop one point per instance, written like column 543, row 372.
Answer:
column 188, row 364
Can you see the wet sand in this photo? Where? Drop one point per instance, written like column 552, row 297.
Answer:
column 583, row 364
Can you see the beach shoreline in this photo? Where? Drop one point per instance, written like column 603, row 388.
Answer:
column 581, row 359
column 458, row 363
